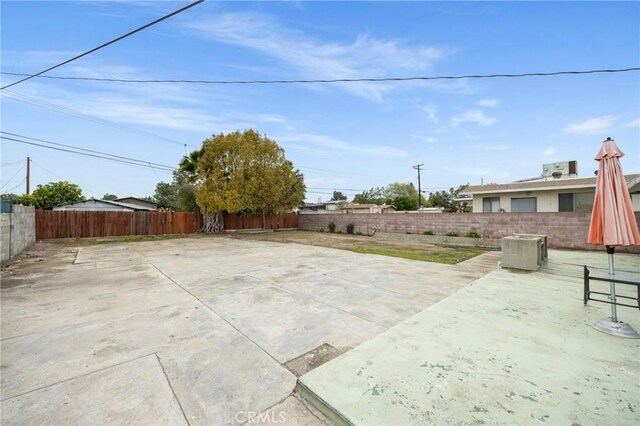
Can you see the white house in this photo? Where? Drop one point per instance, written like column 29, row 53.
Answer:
column 570, row 194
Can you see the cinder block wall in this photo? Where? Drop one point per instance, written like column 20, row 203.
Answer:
column 18, row 231
column 564, row 230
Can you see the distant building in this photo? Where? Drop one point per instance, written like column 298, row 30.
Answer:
column 345, row 207
column 138, row 202
column 104, row 205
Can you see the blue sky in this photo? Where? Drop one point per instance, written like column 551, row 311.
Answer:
column 346, row 136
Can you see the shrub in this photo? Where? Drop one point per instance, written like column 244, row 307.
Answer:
column 473, row 234
column 350, row 227
column 452, row 234
column 321, row 230
column 428, row 232
column 332, row 227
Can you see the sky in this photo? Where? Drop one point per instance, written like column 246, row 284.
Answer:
column 343, row 136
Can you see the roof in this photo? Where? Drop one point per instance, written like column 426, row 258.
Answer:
column 543, row 185
column 134, row 199
column 366, row 206
column 137, row 207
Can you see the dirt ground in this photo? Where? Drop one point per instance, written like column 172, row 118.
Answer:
column 415, row 250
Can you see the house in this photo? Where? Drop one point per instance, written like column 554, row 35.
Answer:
column 354, row 208
column 103, row 205
column 546, row 194
column 141, row 202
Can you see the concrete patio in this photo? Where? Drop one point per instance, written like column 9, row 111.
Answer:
column 196, row 330
column 512, row 348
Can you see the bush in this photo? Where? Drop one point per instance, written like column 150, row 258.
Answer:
column 473, row 234
column 332, row 227
column 350, row 227
column 321, row 230
column 427, row 232
column 452, row 234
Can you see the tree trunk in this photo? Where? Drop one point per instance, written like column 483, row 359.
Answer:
column 212, row 222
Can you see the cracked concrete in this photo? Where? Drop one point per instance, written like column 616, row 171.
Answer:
column 194, row 330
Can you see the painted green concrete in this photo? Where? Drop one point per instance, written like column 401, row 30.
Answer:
column 512, row 348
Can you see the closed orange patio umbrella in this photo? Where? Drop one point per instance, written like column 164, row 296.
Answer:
column 613, row 224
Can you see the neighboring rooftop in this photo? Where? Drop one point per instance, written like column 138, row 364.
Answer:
column 544, row 184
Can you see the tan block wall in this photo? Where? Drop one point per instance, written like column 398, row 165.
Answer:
column 564, row 230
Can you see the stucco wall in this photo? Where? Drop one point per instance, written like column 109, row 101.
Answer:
column 564, row 230
column 18, row 231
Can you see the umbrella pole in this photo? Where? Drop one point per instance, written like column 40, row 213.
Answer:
column 612, row 285
column 611, row 325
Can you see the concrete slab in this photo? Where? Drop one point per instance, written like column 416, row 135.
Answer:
column 220, row 316
column 101, row 397
column 290, row 412
column 287, row 325
column 512, row 348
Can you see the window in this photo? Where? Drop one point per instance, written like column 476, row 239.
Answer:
column 565, row 202
column 576, row 202
column 524, row 205
column 490, row 204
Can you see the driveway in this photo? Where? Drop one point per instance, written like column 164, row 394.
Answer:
column 195, row 330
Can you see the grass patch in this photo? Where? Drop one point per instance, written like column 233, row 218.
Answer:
column 449, row 257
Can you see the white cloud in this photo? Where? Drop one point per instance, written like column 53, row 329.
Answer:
column 428, row 139
column 491, row 103
column 591, row 126
column 633, row 123
column 366, row 56
column 327, row 143
column 432, row 113
column 472, row 116
column 549, row 152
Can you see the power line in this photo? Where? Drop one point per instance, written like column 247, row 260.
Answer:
column 71, row 112
column 11, row 163
column 342, row 80
column 89, row 155
column 59, row 177
column 130, row 33
column 13, row 176
column 19, row 183
column 88, row 150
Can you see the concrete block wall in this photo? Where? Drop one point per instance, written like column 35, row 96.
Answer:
column 564, row 230
column 18, row 231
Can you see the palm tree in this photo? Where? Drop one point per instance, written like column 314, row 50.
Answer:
column 189, row 164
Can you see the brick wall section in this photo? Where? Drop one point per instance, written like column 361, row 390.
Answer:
column 564, row 230
column 18, row 231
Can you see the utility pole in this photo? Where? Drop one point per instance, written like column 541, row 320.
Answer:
column 28, row 173
column 417, row 167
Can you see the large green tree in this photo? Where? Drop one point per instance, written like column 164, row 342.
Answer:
column 245, row 172
column 56, row 194
column 444, row 199
column 338, row 196
column 177, row 195
column 189, row 164
column 403, row 195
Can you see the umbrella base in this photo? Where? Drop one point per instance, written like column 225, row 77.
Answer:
column 619, row 328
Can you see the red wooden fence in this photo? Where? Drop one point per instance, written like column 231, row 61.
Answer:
column 73, row 224
column 272, row 221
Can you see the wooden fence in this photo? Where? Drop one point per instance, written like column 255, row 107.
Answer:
column 273, row 221
column 74, row 224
